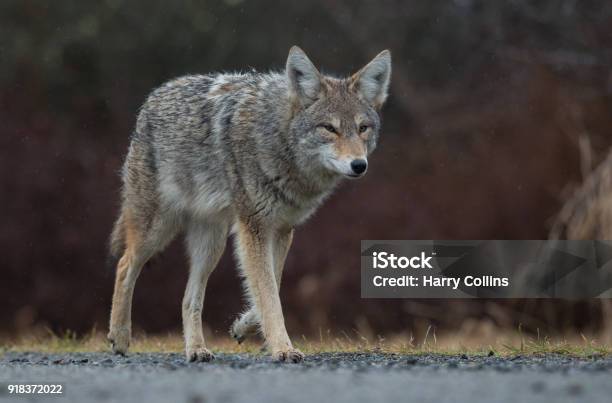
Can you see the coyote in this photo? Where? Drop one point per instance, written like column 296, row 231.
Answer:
column 251, row 155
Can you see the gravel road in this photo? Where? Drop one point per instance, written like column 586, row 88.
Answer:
column 337, row 377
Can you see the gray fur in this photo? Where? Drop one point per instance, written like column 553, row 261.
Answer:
column 250, row 148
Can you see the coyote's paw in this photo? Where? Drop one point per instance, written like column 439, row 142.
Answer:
column 120, row 340
column 291, row 355
column 200, row 354
column 242, row 328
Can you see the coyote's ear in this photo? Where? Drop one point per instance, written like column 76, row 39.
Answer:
column 372, row 81
column 304, row 78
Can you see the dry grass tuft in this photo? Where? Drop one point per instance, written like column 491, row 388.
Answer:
column 587, row 213
column 508, row 344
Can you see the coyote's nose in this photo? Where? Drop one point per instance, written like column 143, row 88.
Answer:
column 359, row 166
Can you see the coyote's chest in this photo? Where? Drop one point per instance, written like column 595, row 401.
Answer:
column 297, row 210
column 291, row 215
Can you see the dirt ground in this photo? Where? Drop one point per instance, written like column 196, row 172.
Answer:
column 339, row 377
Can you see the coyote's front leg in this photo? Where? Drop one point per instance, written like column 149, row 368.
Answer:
column 255, row 251
column 248, row 322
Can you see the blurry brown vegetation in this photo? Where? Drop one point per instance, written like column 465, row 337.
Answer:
column 587, row 214
column 482, row 135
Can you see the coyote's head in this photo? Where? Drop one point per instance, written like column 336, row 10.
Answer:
column 335, row 124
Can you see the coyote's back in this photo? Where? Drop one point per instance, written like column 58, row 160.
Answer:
column 253, row 154
column 179, row 156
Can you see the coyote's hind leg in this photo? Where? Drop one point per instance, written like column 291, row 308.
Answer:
column 138, row 249
column 128, row 269
column 205, row 245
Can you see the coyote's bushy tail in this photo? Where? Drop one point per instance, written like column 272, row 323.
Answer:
column 117, row 239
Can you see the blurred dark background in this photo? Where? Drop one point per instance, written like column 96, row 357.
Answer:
column 490, row 104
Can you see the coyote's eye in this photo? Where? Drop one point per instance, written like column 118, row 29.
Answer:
column 363, row 128
column 329, row 128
